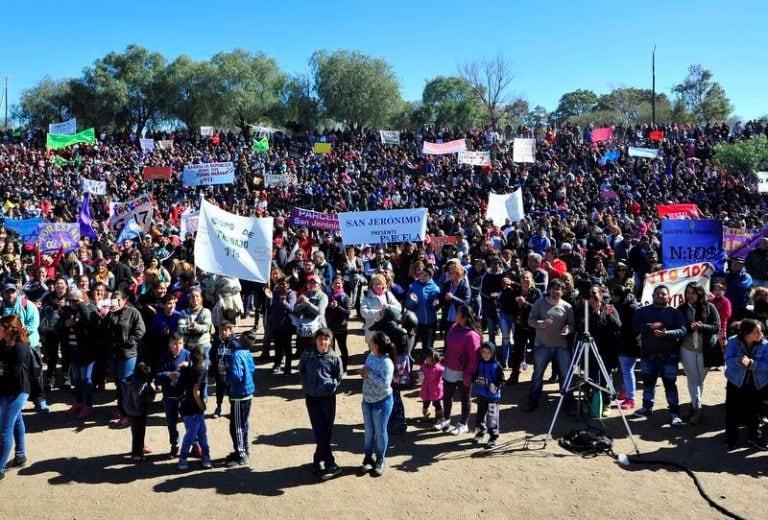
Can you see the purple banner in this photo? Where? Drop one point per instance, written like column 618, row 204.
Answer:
column 736, row 238
column 313, row 220
column 744, row 250
column 58, row 235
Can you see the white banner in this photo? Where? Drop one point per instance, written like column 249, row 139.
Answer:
column 68, row 127
column 206, row 131
column 139, row 210
column 762, row 182
column 475, row 158
column 164, row 144
column 506, row 206
column 648, row 153
column 93, row 187
column 524, row 150
column 459, row 145
column 189, row 222
column 382, row 227
column 208, row 173
column 272, row 180
column 389, row 136
column 231, row 245
column 147, row 145
column 676, row 279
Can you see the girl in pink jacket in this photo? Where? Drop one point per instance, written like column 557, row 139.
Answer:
column 432, row 384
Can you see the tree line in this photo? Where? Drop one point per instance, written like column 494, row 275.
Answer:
column 139, row 89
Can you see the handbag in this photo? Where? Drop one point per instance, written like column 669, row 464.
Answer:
column 713, row 355
column 308, row 329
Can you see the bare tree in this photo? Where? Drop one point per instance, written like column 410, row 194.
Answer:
column 489, row 79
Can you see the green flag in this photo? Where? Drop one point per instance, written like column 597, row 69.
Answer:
column 262, row 145
column 60, row 161
column 59, row 141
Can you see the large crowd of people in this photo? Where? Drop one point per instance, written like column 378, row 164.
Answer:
column 482, row 300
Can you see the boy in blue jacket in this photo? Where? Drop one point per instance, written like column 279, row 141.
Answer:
column 168, row 372
column 489, row 379
column 239, row 368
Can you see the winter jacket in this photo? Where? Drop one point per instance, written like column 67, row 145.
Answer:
column 425, row 294
column 461, row 349
column 432, row 385
column 124, row 330
column 674, row 322
column 240, row 370
column 320, row 373
column 735, row 373
column 169, row 363
column 137, row 394
column 489, row 373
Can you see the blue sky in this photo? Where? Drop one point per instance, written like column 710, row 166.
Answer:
column 555, row 47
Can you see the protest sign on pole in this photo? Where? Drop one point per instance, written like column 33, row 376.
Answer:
column 147, row 145
column 686, row 242
column 157, row 173
column 189, row 222
column 55, row 236
column 389, row 136
column 475, row 158
column 762, row 182
column 456, row 146
column 313, row 220
column 26, row 228
column 382, row 227
column 68, row 127
column 139, row 209
column 166, row 144
column 208, row 173
column 272, row 180
column 523, row 150
column 322, row 148
column 232, row 245
column 505, row 206
column 206, row 131
column 93, row 187
column 676, row 279
column 648, row 153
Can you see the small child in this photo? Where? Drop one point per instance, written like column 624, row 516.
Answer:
column 221, row 352
column 238, row 373
column 139, row 393
column 432, row 384
column 175, row 358
column 489, row 378
column 193, row 380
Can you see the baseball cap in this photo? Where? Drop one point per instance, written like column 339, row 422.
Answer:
column 10, row 287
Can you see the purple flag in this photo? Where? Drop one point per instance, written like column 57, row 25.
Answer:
column 744, row 250
column 86, row 229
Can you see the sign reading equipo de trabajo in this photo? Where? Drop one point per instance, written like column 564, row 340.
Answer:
column 209, row 173
column 232, row 245
column 385, row 226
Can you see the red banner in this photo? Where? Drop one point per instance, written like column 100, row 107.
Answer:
column 602, row 134
column 678, row 211
column 656, row 135
column 440, row 241
column 157, row 172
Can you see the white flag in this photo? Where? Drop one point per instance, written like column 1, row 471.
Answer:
column 389, row 136
column 206, row 131
column 232, row 245
column 147, row 145
column 506, row 206
column 68, row 127
column 524, row 150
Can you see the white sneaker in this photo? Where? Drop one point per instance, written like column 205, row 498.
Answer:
column 675, row 420
column 442, row 424
column 459, row 429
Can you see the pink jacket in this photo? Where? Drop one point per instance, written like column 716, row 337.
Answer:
column 461, row 348
column 432, row 386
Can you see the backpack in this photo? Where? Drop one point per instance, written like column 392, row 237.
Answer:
column 49, row 320
column 586, row 443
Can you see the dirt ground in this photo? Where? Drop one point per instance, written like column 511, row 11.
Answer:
column 81, row 470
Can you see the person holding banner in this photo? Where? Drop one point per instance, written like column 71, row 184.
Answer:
column 703, row 323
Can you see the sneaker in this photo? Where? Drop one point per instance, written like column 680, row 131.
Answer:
column 627, row 404
column 17, row 462
column 207, row 464
column 459, row 429
column 183, row 466
column 174, row 452
column 675, row 420
column 491, row 442
column 478, row 438
column 622, row 395
column 217, row 412
column 758, row 444
column 643, row 412
column 196, row 452
column 123, row 422
column 330, row 472
column 442, row 424
column 236, row 460
column 85, row 412
column 42, row 407
column 378, row 467
column 277, row 369
column 367, row 465
column 523, row 366
column 75, row 408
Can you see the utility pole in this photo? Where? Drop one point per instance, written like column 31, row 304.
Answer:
column 653, row 85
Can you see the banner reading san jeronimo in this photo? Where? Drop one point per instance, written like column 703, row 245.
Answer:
column 232, row 245
column 383, row 227
column 685, row 242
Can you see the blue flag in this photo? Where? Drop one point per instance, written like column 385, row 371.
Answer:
column 610, row 156
column 131, row 231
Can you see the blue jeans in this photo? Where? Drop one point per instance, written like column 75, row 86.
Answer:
column 195, row 431
column 81, row 377
column 375, row 418
column 541, row 357
column 493, row 327
column 628, row 375
column 122, row 369
column 507, row 326
column 171, row 407
column 11, row 426
column 664, row 365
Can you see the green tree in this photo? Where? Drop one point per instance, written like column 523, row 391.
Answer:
column 302, row 109
column 490, row 79
column 703, row 100
column 120, row 90
column 743, row 157
column 187, row 91
column 450, row 103
column 356, row 89
column 45, row 103
column 251, row 87
column 634, row 105
column 574, row 104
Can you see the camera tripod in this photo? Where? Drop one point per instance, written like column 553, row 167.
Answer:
column 580, row 363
